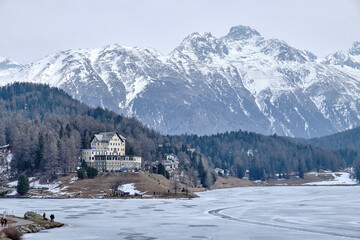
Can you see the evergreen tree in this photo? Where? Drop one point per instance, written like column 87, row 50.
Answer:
column 162, row 171
column 61, row 131
column 302, row 168
column 68, row 130
column 203, row 175
column 23, row 185
column 257, row 173
column 84, row 165
column 39, row 151
column 91, row 172
column 240, row 171
column 81, row 173
column 129, row 149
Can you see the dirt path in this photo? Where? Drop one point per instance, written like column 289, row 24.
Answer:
column 18, row 222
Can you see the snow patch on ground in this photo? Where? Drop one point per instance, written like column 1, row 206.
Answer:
column 12, row 184
column 130, row 188
column 72, row 180
column 51, row 187
column 340, row 178
column 13, row 193
column 15, row 183
column 47, row 190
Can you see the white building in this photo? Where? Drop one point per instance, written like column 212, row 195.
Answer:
column 171, row 163
column 219, row 171
column 107, row 153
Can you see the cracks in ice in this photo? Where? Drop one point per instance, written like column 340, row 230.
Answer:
column 218, row 213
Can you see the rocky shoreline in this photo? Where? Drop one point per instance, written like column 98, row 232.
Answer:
column 38, row 226
column 18, row 226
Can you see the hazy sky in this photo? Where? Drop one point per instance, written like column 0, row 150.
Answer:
column 32, row 29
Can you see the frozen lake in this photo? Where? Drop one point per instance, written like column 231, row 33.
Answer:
column 304, row 212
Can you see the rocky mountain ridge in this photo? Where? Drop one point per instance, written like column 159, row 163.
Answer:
column 208, row 84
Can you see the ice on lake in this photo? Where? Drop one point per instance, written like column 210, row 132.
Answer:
column 304, row 212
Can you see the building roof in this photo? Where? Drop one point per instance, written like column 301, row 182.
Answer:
column 106, row 136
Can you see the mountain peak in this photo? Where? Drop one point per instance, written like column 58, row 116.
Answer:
column 242, row 32
column 6, row 63
column 196, row 36
column 197, row 40
column 355, row 49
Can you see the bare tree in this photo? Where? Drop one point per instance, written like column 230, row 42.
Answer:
column 114, row 186
column 51, row 154
column 175, row 185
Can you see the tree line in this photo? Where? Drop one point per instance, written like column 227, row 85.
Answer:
column 264, row 156
column 47, row 130
column 345, row 145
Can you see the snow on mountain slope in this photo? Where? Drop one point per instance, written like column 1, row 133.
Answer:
column 7, row 68
column 287, row 85
column 208, row 84
column 6, row 63
column 348, row 64
column 346, row 61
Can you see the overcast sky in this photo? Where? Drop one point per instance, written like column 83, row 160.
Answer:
column 32, row 29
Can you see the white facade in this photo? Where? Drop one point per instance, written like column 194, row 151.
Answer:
column 171, row 163
column 219, row 171
column 107, row 153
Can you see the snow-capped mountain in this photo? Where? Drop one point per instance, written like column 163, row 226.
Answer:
column 7, row 67
column 208, row 84
column 7, row 63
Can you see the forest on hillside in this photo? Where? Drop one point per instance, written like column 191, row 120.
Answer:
column 348, row 139
column 47, row 130
column 264, row 156
column 345, row 145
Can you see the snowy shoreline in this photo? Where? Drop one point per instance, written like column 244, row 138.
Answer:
column 57, row 190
